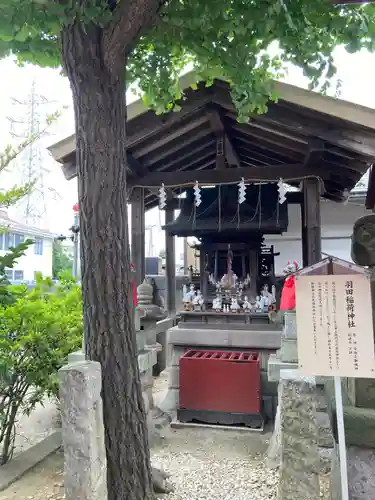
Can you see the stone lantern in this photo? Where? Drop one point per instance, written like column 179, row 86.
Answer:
column 149, row 312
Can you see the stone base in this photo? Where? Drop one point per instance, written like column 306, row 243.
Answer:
column 254, row 421
column 275, row 364
column 170, row 402
column 234, row 339
column 325, row 459
column 359, row 426
column 157, row 421
column 365, row 393
column 325, row 430
column 182, row 339
column 361, row 474
column 176, row 424
column 288, row 350
column 162, row 354
column 299, row 452
column 325, row 439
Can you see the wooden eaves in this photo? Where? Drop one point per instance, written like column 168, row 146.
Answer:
column 304, row 134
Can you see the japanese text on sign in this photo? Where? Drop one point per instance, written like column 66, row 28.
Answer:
column 334, row 326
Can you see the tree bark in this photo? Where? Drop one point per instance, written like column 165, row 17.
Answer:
column 98, row 88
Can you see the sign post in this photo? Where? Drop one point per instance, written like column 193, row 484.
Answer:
column 335, row 337
column 341, row 436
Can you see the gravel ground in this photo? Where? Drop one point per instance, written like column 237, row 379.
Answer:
column 207, row 464
column 203, row 463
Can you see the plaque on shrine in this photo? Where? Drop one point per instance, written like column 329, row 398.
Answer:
column 334, row 325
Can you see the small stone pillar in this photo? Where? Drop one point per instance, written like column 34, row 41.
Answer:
column 299, row 438
column 83, row 431
column 151, row 313
column 145, row 293
column 147, row 356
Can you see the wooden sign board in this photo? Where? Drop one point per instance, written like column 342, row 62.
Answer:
column 334, row 326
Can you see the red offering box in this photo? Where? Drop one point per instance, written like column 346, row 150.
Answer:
column 222, row 381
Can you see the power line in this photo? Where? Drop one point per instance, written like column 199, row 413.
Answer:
column 27, row 121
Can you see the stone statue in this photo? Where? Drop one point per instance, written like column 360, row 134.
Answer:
column 363, row 241
column 198, row 301
column 258, row 304
column 267, row 299
column 288, row 293
column 363, row 250
column 216, row 304
column 234, row 307
column 246, row 305
column 253, row 307
column 189, row 298
column 247, row 280
column 192, row 293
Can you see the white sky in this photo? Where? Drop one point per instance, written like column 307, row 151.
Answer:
column 357, row 73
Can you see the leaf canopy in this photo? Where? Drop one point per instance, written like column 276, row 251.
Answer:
column 227, row 38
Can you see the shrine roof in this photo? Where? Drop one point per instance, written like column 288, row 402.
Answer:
column 331, row 265
column 218, row 213
column 303, row 134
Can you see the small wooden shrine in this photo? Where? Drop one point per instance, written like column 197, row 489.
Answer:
column 318, row 145
column 234, row 262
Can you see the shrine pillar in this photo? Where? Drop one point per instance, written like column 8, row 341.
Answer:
column 186, row 249
column 303, row 234
column 216, row 265
column 202, row 271
column 170, row 265
column 253, row 271
column 311, row 223
column 138, row 234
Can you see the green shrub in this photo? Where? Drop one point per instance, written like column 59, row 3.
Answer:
column 37, row 332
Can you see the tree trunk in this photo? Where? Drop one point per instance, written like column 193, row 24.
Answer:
column 100, row 112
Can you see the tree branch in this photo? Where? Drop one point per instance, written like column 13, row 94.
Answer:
column 130, row 18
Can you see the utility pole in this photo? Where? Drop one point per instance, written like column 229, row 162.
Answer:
column 30, row 166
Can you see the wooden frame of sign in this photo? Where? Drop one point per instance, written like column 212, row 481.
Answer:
column 334, row 320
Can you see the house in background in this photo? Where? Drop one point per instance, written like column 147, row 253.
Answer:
column 38, row 257
column 337, row 221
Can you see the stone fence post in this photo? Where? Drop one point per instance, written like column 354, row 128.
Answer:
column 83, row 431
column 299, row 437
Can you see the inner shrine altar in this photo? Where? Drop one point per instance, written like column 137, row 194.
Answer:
column 225, row 324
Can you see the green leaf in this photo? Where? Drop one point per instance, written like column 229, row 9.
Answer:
column 23, row 34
